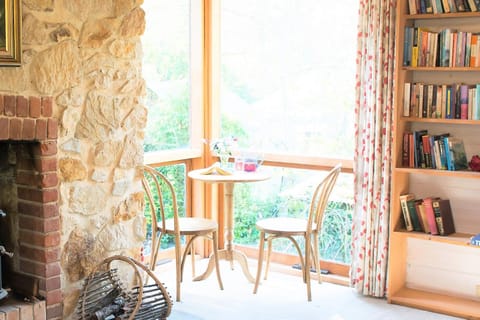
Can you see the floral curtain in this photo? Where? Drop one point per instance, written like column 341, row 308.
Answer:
column 373, row 130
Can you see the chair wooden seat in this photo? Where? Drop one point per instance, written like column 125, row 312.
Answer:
column 162, row 200
column 289, row 228
column 286, row 225
column 191, row 226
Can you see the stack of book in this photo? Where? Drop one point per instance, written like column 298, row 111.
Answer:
column 433, row 151
column 441, row 101
column 430, row 215
column 442, row 6
column 445, row 48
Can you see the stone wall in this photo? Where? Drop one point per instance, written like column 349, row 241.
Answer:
column 87, row 56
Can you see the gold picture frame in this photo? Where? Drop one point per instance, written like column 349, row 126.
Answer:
column 10, row 33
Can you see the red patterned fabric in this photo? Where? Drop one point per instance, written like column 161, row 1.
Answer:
column 373, row 134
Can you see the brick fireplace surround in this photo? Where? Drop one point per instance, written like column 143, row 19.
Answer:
column 29, row 122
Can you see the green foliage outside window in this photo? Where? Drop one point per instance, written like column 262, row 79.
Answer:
column 335, row 239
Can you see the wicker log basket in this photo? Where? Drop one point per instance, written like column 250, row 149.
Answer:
column 105, row 297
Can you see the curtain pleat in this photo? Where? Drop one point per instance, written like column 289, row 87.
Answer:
column 373, row 134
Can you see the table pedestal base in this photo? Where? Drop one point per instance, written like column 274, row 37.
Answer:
column 229, row 255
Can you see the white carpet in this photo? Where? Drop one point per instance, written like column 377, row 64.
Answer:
column 281, row 297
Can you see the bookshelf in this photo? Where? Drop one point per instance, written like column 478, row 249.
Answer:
column 430, row 272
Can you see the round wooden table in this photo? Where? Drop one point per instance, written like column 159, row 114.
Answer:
column 229, row 253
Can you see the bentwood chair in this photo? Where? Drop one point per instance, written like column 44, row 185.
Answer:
column 162, row 200
column 291, row 228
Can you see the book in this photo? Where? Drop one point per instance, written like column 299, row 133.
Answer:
column 412, row 6
column 463, row 101
column 422, row 215
column 439, row 151
column 443, row 216
column 427, row 152
column 406, row 215
column 446, row 6
column 406, row 99
column 406, row 149
column 430, row 215
column 458, row 156
column 216, row 169
column 460, row 6
column 418, row 148
column 409, row 199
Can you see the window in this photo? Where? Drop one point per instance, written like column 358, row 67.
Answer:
column 279, row 77
column 287, row 75
column 166, row 69
column 287, row 90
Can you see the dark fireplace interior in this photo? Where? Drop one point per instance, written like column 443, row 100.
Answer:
column 30, row 226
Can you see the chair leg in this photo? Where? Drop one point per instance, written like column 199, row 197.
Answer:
column 156, row 242
column 178, row 265
column 188, row 248
column 316, row 257
column 261, row 250
column 308, row 248
column 215, row 256
column 192, row 253
column 269, row 252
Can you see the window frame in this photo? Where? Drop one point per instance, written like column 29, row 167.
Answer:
column 205, row 124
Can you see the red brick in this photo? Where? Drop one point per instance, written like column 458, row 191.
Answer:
column 40, row 239
column 9, row 105
column 52, row 128
column 28, row 132
column 2, row 105
column 39, row 254
column 49, row 180
column 22, row 107
column 35, row 107
column 43, row 196
column 11, row 312
column 41, row 129
column 45, row 164
column 42, row 210
column 15, row 129
column 35, row 254
column 45, row 148
column 47, row 106
column 4, row 128
column 55, row 312
column 39, row 311
column 52, row 269
column 39, row 224
column 28, row 178
column 53, row 283
column 54, row 297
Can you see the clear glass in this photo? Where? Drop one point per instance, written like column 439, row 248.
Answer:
column 288, row 75
column 288, row 193
column 166, row 70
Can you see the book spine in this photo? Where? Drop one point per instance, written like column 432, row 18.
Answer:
column 427, row 203
column 443, row 217
column 406, row 215
column 464, row 101
column 413, row 214
column 405, row 150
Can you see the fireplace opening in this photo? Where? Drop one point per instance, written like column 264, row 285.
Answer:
column 30, row 228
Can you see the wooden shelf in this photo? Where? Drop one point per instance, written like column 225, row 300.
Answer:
column 440, row 121
column 460, row 239
column 443, row 69
column 441, row 303
column 430, row 16
column 436, row 172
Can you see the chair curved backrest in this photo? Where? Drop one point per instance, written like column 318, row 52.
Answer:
column 161, row 198
column 320, row 199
